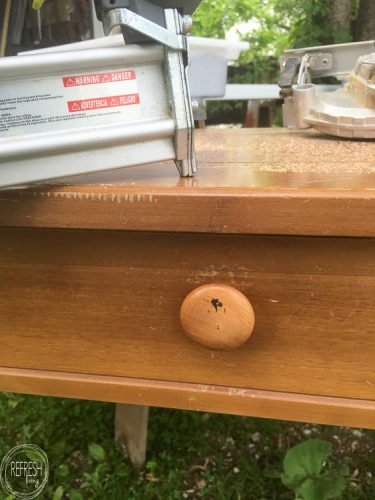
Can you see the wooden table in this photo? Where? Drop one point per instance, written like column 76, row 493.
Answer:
column 93, row 272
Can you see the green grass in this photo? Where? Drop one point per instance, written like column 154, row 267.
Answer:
column 190, row 455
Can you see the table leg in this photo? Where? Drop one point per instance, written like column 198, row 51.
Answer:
column 131, row 432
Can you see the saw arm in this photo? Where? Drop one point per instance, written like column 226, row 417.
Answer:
column 82, row 111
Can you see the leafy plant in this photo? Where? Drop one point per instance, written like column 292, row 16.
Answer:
column 37, row 4
column 96, row 452
column 306, row 473
column 58, row 493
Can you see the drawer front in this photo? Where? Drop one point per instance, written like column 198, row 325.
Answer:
column 108, row 303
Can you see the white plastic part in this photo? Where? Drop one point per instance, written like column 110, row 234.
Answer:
column 339, row 113
column 209, row 65
column 350, row 111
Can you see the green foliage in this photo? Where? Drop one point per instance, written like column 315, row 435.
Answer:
column 270, row 27
column 214, row 18
column 190, row 454
column 305, row 473
column 273, row 26
column 37, row 4
column 58, row 493
column 96, row 452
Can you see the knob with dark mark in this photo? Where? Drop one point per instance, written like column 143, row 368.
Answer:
column 217, row 316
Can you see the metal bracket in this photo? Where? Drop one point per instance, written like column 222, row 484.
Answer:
column 173, row 38
column 289, row 71
column 329, row 60
column 177, row 80
column 129, row 19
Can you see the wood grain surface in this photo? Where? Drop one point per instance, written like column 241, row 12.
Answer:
column 90, row 301
column 108, row 303
column 197, row 397
column 269, row 181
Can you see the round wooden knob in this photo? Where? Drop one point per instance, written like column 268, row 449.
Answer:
column 217, row 316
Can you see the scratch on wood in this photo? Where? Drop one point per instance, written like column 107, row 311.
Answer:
column 204, row 388
column 230, row 365
column 236, row 392
column 128, row 197
column 201, row 277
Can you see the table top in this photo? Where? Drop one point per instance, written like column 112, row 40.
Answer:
column 250, row 181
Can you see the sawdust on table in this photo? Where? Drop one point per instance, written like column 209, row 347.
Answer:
column 315, row 154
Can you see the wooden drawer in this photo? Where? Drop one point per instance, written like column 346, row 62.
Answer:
column 107, row 303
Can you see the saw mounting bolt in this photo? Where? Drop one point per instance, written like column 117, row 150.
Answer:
column 187, row 24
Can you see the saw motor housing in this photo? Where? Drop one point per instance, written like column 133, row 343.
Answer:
column 70, row 113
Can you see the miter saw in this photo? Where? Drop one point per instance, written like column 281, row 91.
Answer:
column 70, row 113
column 346, row 112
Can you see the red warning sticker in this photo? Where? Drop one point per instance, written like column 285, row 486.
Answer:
column 103, row 102
column 95, row 78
